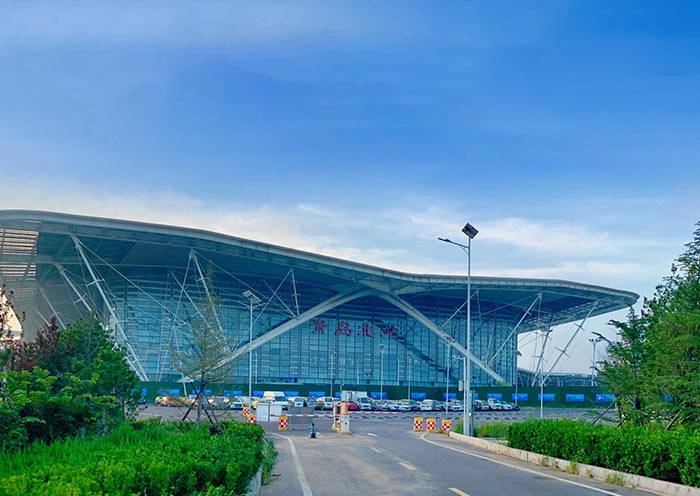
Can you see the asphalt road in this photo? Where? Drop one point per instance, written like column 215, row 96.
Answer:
column 385, row 457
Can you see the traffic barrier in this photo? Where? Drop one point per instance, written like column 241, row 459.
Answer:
column 418, row 424
column 246, row 410
column 283, row 423
column 446, row 426
column 431, row 425
column 251, row 419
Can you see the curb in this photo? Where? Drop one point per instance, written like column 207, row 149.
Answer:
column 255, row 484
column 602, row 474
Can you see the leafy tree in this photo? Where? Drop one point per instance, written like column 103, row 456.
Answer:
column 655, row 361
column 64, row 383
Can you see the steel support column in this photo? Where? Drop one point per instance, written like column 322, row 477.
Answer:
column 131, row 355
column 53, row 310
column 579, row 327
column 420, row 317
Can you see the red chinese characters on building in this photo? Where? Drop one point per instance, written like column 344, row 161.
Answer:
column 367, row 330
column 389, row 331
column 320, row 326
column 343, row 329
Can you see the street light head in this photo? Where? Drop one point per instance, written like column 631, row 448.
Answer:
column 446, row 240
column 253, row 299
column 470, row 230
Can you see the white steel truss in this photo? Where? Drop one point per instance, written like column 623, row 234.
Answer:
column 131, row 355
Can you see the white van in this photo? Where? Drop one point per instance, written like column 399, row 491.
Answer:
column 276, row 398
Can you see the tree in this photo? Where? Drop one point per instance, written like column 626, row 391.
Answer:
column 655, row 360
column 64, row 383
column 203, row 357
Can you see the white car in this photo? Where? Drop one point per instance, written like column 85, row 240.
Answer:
column 325, row 403
column 495, row 404
column 297, row 402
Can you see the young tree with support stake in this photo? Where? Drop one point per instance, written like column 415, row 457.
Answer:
column 203, row 355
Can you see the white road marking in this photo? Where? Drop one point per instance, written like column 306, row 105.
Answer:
column 370, row 434
column 523, row 469
column 375, row 449
column 306, row 490
column 406, row 465
column 457, row 491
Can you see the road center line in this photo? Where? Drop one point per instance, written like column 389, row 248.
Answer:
column 306, row 490
column 457, row 491
column 522, row 469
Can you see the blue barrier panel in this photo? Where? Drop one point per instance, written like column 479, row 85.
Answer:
column 575, row 398
column 546, row 397
column 495, row 396
column 604, row 398
column 316, row 394
column 258, row 394
column 174, row 392
column 290, row 394
column 518, row 397
column 233, row 392
column 375, row 395
column 449, row 396
column 475, row 395
column 418, row 396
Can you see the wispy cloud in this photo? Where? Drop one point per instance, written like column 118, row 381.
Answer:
column 177, row 24
column 401, row 238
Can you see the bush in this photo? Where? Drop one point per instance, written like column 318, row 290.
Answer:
column 670, row 456
column 492, row 429
column 148, row 458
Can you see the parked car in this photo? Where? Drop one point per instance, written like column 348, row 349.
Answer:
column 325, row 403
column 297, row 402
column 352, row 406
column 235, row 403
column 495, row 404
column 365, row 403
column 455, row 405
column 169, row 400
column 427, row 405
column 481, row 406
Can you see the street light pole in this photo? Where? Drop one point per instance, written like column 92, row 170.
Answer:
column 594, row 342
column 332, row 354
column 253, row 300
column 381, row 371
column 470, row 231
column 410, row 371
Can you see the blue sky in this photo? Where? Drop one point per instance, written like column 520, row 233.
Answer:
column 565, row 131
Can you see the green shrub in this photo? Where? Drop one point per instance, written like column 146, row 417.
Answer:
column 671, row 456
column 148, row 458
column 492, row 429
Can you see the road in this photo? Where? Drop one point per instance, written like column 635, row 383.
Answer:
column 385, row 457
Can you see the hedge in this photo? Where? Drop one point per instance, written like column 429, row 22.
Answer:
column 673, row 456
column 146, row 458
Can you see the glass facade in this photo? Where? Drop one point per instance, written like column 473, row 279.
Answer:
column 367, row 342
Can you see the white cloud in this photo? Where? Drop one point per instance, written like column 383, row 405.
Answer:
column 177, row 23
